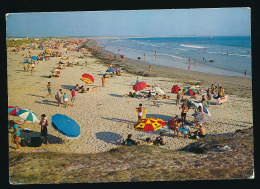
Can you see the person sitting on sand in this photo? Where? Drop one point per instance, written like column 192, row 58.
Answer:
column 148, row 141
column 200, row 109
column 135, row 95
column 202, row 130
column 129, row 141
column 76, row 87
column 203, row 101
column 186, row 131
column 149, row 94
column 161, row 139
column 131, row 94
column 213, row 89
column 220, row 92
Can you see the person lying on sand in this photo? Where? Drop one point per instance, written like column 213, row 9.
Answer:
column 91, row 89
column 157, row 104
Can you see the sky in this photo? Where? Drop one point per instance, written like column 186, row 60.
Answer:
column 164, row 22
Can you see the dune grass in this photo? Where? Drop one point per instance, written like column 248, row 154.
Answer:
column 140, row 163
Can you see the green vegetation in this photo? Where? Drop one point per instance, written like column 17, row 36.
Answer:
column 140, row 163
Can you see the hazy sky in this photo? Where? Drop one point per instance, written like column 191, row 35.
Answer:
column 170, row 22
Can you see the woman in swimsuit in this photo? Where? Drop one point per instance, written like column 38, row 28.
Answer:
column 49, row 89
column 161, row 139
column 183, row 113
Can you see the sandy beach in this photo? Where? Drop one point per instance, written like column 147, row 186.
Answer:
column 108, row 114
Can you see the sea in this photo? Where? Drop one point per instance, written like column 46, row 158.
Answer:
column 221, row 55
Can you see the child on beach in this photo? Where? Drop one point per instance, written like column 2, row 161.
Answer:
column 66, row 100
column 176, row 126
column 15, row 136
column 103, row 81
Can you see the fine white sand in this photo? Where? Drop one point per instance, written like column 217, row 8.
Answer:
column 104, row 115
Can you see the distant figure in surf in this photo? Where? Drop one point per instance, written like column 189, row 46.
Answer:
column 155, row 54
column 189, row 59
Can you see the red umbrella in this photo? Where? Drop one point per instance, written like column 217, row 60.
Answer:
column 139, row 86
column 175, row 88
column 88, row 78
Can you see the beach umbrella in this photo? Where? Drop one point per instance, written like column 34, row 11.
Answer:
column 48, row 51
column 14, row 110
column 159, row 90
column 202, row 116
column 189, row 92
column 149, row 124
column 55, row 71
column 110, row 70
column 175, row 89
column 139, row 86
column 87, row 78
column 28, row 115
column 65, row 125
column 34, row 58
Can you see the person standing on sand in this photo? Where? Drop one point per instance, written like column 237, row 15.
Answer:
column 73, row 95
column 144, row 56
column 49, row 89
column 59, row 97
column 245, row 74
column 140, row 112
column 66, row 100
column 184, row 111
column 178, row 97
column 137, row 80
column 44, row 124
column 209, row 95
column 24, row 66
column 103, row 81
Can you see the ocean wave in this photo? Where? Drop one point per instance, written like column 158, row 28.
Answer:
column 193, row 46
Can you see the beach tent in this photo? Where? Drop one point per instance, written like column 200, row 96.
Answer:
column 175, row 89
column 65, row 125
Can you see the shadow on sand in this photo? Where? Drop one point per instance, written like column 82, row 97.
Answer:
column 109, row 137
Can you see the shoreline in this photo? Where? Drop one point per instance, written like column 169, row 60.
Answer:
column 233, row 85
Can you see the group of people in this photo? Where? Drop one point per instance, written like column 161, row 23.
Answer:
column 160, row 140
column 17, row 133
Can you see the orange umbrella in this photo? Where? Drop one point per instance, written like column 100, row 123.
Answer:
column 48, row 51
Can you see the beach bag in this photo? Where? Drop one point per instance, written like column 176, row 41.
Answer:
column 56, row 97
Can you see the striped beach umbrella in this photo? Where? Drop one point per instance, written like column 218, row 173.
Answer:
column 28, row 115
column 14, row 110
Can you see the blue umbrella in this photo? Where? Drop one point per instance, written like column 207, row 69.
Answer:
column 65, row 125
column 110, row 70
column 34, row 58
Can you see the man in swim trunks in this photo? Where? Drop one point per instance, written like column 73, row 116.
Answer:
column 202, row 130
column 178, row 97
